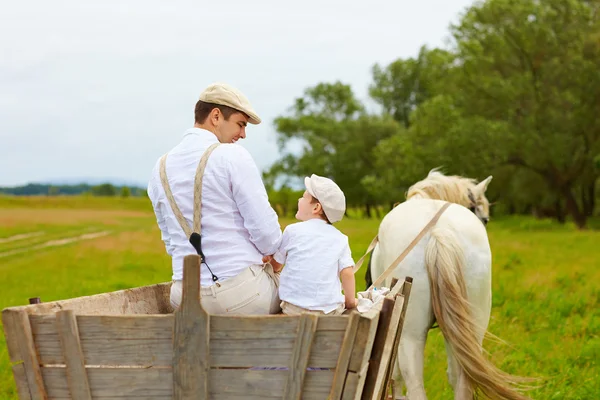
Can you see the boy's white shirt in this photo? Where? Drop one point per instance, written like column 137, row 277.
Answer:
column 314, row 253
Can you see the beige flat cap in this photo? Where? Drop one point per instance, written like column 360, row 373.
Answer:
column 226, row 95
column 329, row 194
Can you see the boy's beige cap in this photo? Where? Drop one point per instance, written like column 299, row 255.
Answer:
column 226, row 95
column 329, row 194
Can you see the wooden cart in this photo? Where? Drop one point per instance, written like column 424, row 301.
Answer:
column 130, row 345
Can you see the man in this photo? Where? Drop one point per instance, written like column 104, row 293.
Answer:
column 238, row 225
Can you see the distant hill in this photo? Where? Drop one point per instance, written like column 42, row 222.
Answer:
column 65, row 189
column 120, row 182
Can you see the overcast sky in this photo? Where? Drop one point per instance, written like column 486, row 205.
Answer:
column 102, row 89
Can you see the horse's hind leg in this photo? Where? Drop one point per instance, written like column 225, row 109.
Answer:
column 456, row 376
column 410, row 359
column 412, row 342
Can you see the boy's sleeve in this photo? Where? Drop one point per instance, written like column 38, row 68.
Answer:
column 345, row 259
column 281, row 254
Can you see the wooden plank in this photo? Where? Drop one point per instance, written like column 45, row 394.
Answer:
column 351, row 386
column 360, row 384
column 156, row 383
column 381, row 378
column 191, row 336
column 375, row 365
column 21, row 381
column 66, row 325
column 14, row 353
column 406, row 289
column 344, row 358
column 299, row 361
column 108, row 383
column 146, row 340
column 152, row 299
column 30, row 358
column 363, row 344
column 161, row 326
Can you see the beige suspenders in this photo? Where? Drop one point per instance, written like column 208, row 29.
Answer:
column 194, row 234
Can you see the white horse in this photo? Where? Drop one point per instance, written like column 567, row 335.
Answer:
column 451, row 267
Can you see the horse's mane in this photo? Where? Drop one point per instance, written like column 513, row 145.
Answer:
column 454, row 189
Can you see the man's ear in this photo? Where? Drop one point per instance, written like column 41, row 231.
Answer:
column 214, row 115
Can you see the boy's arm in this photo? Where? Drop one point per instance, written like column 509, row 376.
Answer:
column 345, row 265
column 349, row 286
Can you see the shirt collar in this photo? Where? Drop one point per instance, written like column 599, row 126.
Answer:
column 202, row 133
column 316, row 221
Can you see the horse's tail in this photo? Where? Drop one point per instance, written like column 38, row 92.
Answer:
column 445, row 261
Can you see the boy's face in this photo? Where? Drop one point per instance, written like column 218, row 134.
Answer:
column 306, row 210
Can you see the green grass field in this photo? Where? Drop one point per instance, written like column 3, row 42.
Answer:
column 546, row 297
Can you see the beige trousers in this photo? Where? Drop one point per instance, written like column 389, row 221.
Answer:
column 253, row 291
column 291, row 309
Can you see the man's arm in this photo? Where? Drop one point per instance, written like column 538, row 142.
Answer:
column 252, row 201
column 153, row 193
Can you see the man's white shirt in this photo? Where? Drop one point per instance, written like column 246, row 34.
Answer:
column 239, row 225
column 314, row 253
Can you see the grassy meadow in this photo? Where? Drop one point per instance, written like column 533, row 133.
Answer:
column 546, row 296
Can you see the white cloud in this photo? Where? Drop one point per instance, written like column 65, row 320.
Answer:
column 103, row 89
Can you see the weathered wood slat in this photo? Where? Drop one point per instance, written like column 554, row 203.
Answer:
column 157, row 383
column 351, row 386
column 307, row 327
column 406, row 289
column 375, row 365
column 66, row 325
column 14, row 353
column 29, row 355
column 386, row 369
column 21, row 381
column 191, row 335
column 161, row 326
column 109, row 382
column 224, row 353
column 341, row 369
column 152, row 299
column 359, row 386
column 147, row 340
column 363, row 343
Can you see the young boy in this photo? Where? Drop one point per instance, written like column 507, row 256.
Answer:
column 316, row 255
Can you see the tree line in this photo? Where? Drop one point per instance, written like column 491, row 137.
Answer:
column 516, row 95
column 105, row 189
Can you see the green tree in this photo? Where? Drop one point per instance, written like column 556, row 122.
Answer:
column 106, row 189
column 125, row 192
column 403, row 85
column 337, row 139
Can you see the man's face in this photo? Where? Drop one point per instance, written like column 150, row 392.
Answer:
column 234, row 129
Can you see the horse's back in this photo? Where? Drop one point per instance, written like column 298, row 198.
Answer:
column 401, row 225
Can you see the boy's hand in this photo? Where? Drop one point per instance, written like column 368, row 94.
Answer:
column 276, row 266
column 353, row 304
